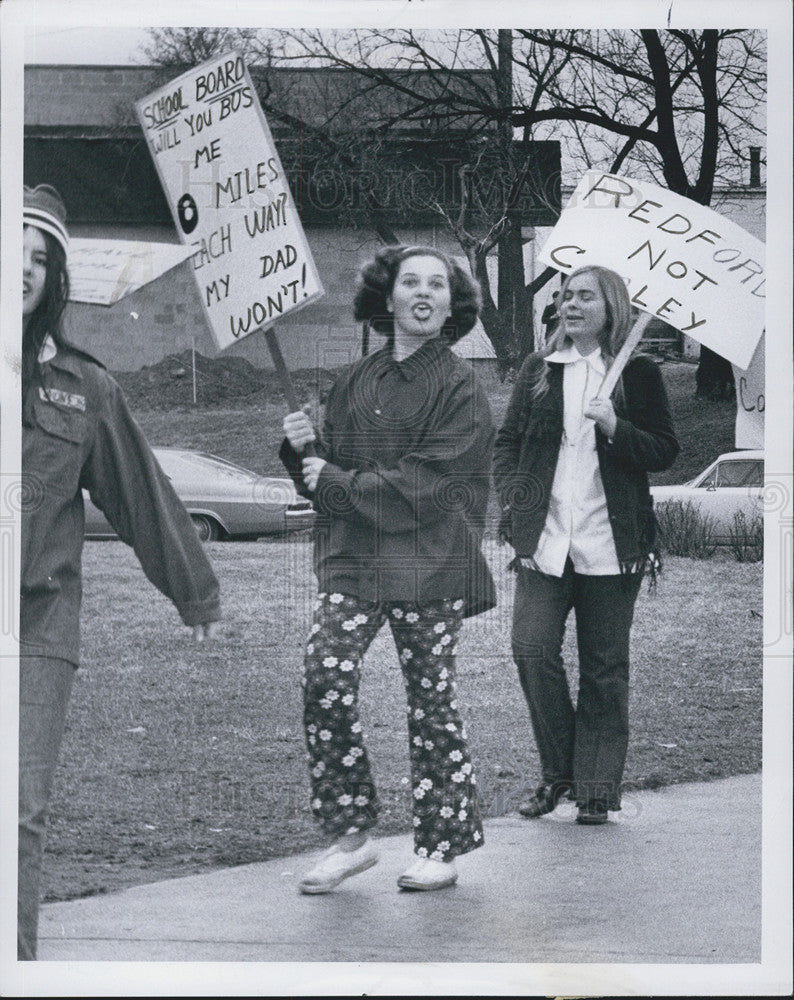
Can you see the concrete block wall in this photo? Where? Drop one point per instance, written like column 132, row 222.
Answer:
column 106, row 94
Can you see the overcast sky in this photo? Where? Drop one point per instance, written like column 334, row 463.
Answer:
column 56, row 44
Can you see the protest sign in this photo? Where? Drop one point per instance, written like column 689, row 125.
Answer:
column 683, row 262
column 751, row 400
column 103, row 271
column 229, row 196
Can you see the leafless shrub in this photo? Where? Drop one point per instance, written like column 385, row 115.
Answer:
column 685, row 531
column 747, row 537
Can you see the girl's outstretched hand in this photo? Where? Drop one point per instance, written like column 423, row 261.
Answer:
column 207, row 630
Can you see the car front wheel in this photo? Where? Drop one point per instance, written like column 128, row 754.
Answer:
column 207, row 528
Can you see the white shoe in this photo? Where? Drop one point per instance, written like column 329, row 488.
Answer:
column 335, row 866
column 427, row 874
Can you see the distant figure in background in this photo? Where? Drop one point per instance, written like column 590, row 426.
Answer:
column 714, row 376
column 550, row 317
column 77, row 432
column 400, row 484
column 571, row 472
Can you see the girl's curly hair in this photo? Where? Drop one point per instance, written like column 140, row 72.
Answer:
column 376, row 282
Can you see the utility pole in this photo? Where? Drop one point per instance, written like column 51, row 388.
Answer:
column 504, row 100
column 511, row 294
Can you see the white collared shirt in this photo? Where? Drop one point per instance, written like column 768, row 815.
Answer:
column 577, row 523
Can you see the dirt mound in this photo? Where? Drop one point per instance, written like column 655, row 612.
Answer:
column 222, row 382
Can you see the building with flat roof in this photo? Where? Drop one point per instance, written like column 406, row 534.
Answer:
column 81, row 135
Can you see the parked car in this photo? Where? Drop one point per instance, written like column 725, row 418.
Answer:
column 732, row 483
column 224, row 500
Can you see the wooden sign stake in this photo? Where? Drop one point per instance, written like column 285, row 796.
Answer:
column 287, row 386
column 623, row 355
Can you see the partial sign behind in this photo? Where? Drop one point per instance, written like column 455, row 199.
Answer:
column 103, row 271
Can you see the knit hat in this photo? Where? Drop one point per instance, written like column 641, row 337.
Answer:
column 44, row 209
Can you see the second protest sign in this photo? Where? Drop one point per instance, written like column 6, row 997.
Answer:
column 682, row 262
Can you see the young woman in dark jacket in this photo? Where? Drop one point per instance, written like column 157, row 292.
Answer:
column 400, row 483
column 77, row 432
column 571, row 474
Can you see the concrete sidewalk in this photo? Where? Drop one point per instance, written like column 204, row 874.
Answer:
column 673, row 878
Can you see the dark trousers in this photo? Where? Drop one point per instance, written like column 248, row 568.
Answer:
column 44, row 688
column 584, row 746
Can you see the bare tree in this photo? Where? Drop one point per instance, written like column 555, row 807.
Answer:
column 184, row 47
column 682, row 107
column 679, row 107
column 455, row 83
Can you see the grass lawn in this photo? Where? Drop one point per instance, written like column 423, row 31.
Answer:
column 181, row 758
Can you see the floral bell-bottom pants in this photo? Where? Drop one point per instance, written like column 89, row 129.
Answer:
column 446, row 814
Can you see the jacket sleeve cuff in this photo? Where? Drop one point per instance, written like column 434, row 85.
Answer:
column 292, row 463
column 333, row 493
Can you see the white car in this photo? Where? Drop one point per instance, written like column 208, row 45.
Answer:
column 732, row 483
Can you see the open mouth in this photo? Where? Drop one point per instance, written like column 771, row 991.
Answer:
column 422, row 310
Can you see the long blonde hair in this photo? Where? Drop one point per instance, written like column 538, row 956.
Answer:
column 610, row 339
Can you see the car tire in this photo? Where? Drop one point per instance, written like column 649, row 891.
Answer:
column 206, row 528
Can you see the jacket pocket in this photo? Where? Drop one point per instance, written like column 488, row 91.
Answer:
column 60, row 421
column 52, row 449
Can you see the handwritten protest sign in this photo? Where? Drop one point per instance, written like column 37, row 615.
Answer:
column 229, row 196
column 751, row 400
column 103, row 271
column 683, row 262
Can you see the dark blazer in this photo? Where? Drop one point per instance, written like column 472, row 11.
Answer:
column 527, row 447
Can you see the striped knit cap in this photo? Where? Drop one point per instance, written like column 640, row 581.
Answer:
column 44, row 209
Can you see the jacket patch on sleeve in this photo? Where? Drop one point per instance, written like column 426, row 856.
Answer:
column 70, row 399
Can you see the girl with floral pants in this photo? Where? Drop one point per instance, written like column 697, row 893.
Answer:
column 446, row 815
column 399, row 478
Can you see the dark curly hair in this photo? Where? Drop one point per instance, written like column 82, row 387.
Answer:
column 376, row 282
